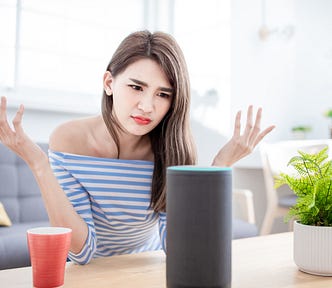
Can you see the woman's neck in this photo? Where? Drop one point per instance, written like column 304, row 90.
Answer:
column 131, row 146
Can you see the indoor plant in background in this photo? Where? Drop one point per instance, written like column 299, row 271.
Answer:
column 300, row 131
column 311, row 181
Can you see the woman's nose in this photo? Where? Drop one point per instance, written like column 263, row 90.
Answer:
column 146, row 103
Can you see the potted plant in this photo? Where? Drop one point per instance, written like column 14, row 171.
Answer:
column 300, row 131
column 311, row 181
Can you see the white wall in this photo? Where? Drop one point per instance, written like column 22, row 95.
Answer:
column 289, row 78
column 313, row 63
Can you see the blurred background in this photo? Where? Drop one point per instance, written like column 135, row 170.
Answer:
column 272, row 53
column 275, row 54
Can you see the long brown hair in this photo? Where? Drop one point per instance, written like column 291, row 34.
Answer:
column 171, row 140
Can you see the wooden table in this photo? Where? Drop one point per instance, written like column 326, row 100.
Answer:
column 265, row 261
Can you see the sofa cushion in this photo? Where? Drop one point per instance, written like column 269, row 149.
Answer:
column 13, row 244
column 19, row 191
column 22, row 199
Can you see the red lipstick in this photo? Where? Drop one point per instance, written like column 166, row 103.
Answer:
column 141, row 120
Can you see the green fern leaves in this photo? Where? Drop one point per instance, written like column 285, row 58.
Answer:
column 312, row 183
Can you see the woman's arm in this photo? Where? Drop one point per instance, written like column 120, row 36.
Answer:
column 163, row 229
column 80, row 200
column 59, row 209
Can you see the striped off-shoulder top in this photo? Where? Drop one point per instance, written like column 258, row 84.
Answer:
column 113, row 197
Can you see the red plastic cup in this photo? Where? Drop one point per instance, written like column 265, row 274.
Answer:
column 48, row 247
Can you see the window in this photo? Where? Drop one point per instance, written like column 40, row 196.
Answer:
column 7, row 43
column 62, row 49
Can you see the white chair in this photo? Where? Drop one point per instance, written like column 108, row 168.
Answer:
column 275, row 158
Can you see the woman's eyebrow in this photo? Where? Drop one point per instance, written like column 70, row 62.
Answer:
column 142, row 83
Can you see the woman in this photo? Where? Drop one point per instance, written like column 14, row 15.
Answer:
column 110, row 169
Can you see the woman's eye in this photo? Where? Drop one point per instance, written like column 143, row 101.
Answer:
column 136, row 87
column 164, row 95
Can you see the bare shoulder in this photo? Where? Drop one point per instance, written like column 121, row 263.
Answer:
column 72, row 136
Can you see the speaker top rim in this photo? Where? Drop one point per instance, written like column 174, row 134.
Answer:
column 197, row 168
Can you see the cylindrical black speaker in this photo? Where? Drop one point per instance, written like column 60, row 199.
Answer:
column 199, row 227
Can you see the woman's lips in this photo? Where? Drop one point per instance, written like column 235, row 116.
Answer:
column 141, row 120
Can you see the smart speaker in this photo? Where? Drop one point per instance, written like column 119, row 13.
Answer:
column 199, row 227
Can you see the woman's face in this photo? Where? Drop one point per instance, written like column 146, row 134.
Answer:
column 142, row 95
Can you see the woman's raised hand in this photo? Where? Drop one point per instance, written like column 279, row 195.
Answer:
column 239, row 145
column 16, row 139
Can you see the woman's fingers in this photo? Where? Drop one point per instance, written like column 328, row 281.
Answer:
column 237, row 125
column 263, row 134
column 240, row 145
column 5, row 129
column 3, row 102
column 256, row 128
column 9, row 136
column 248, row 129
column 17, row 121
column 252, row 134
column 3, row 112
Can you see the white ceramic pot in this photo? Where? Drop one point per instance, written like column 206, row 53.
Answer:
column 313, row 249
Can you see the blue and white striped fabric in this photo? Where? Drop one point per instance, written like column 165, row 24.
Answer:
column 113, row 197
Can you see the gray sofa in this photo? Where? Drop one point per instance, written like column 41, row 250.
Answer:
column 22, row 200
